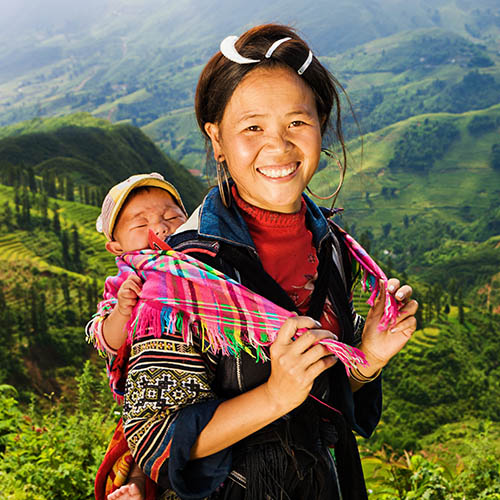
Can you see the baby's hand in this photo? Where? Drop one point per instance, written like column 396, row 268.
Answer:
column 128, row 294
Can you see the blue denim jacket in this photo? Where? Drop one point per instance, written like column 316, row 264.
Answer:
column 227, row 224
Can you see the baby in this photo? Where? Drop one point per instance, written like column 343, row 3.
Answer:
column 131, row 209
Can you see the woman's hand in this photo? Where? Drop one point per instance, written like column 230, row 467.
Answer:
column 296, row 363
column 381, row 346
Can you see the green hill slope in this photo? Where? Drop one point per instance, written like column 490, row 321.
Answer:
column 90, row 151
column 388, row 80
column 52, row 261
column 396, row 59
column 427, row 196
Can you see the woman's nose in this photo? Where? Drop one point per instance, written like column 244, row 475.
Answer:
column 278, row 141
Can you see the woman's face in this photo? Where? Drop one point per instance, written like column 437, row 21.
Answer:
column 270, row 138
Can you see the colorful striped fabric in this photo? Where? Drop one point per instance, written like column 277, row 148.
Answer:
column 372, row 274
column 183, row 294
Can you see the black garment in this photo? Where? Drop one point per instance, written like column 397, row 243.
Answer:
column 289, row 459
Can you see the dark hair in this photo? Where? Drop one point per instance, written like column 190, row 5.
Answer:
column 220, row 77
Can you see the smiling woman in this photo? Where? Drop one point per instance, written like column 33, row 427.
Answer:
column 270, row 138
column 206, row 425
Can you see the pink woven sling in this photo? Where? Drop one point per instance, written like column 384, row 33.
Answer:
column 183, row 294
column 370, row 281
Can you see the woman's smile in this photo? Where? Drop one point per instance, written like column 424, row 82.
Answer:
column 279, row 171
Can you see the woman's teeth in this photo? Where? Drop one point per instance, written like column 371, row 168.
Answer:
column 276, row 173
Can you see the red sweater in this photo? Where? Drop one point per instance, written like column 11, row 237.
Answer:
column 287, row 253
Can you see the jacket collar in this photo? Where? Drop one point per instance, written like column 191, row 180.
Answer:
column 215, row 221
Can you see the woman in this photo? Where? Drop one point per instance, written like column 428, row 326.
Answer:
column 204, row 425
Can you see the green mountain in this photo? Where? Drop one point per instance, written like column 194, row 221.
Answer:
column 397, row 59
column 426, row 194
column 387, row 80
column 88, row 151
column 53, row 173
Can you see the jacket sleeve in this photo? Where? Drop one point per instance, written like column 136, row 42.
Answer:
column 168, row 402
column 362, row 408
column 116, row 361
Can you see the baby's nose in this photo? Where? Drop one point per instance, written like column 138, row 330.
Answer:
column 161, row 230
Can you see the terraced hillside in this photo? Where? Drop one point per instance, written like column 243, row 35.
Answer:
column 426, row 195
column 53, row 174
column 89, row 151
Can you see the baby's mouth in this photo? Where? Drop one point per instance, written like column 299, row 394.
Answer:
column 279, row 171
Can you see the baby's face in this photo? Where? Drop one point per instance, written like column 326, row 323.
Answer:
column 154, row 209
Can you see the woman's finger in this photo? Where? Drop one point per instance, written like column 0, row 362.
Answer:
column 289, row 329
column 379, row 304
column 310, row 338
column 408, row 309
column 314, row 354
column 404, row 293
column 320, row 366
column 406, row 327
column 393, row 284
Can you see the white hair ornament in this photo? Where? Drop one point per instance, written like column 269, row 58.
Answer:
column 228, row 50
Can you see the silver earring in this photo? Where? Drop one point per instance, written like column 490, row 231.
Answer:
column 334, row 195
column 223, row 184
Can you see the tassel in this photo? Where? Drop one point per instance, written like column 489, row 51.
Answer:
column 372, row 274
column 149, row 320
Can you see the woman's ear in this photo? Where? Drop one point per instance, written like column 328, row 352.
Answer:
column 213, row 131
column 114, row 247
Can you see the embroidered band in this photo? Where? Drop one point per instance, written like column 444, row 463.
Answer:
column 228, row 50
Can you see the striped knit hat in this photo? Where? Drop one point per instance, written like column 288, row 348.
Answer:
column 117, row 195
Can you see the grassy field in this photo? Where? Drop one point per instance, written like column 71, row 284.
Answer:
column 463, row 177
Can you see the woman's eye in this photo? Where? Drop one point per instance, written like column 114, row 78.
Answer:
column 297, row 123
column 253, row 128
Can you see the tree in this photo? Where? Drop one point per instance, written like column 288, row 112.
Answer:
column 42, row 315
column 460, row 304
column 8, row 216
column 17, row 203
column 26, row 209
column 76, row 248
column 365, row 240
column 44, row 209
column 65, row 289
column 56, row 223
column 33, row 309
column 452, row 290
column 49, row 184
column 65, row 249
column 86, row 197
column 70, row 189
column 31, row 180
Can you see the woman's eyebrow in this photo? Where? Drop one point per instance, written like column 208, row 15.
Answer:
column 299, row 112
column 251, row 115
